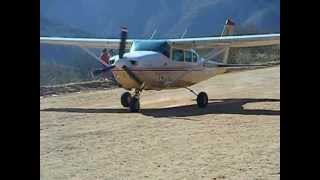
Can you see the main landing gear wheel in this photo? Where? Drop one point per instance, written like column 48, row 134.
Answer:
column 202, row 100
column 134, row 104
column 126, row 99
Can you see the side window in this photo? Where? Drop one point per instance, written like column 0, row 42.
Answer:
column 194, row 57
column 177, row 55
column 188, row 56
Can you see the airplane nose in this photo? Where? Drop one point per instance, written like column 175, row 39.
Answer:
column 135, row 58
column 121, row 62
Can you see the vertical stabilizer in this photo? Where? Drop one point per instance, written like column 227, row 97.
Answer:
column 228, row 28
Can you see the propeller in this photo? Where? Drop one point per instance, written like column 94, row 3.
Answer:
column 122, row 48
column 98, row 72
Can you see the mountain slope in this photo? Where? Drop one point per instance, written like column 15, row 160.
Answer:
column 102, row 18
column 50, row 28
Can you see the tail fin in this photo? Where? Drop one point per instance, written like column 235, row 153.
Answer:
column 227, row 31
column 228, row 28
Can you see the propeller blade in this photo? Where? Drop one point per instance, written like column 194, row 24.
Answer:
column 133, row 76
column 98, row 72
column 122, row 47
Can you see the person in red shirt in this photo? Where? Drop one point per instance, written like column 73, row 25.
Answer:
column 105, row 56
column 106, row 70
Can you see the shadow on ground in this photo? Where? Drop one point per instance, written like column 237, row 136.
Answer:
column 215, row 106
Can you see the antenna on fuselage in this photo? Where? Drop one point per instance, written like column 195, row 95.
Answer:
column 154, row 32
column 184, row 33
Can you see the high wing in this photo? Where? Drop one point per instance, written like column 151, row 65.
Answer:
column 226, row 41
column 185, row 43
column 85, row 42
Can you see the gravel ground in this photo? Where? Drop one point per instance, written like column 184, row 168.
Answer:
column 88, row 135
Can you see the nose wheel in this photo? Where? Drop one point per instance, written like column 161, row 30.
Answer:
column 132, row 102
column 126, row 99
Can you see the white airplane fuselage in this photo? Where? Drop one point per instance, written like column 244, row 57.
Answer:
column 158, row 71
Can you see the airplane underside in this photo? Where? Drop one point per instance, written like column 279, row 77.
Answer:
column 159, row 79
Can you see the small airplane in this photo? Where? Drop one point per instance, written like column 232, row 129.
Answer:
column 157, row 64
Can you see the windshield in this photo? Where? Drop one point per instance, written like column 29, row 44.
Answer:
column 151, row 45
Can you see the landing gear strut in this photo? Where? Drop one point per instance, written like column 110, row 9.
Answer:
column 202, row 98
column 135, row 101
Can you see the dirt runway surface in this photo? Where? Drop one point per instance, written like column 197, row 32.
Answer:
column 90, row 136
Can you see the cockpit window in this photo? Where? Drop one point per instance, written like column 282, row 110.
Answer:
column 156, row 46
column 184, row 55
column 178, row 55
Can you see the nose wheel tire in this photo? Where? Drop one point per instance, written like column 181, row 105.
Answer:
column 126, row 99
column 134, row 105
column 202, row 100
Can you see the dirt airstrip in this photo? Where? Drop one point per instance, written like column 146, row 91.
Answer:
column 88, row 135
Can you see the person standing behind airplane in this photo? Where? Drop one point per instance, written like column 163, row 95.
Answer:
column 106, row 72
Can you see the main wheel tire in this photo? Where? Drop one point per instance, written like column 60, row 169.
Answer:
column 134, row 105
column 126, row 99
column 202, row 100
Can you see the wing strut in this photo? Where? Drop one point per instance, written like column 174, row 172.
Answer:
column 215, row 54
